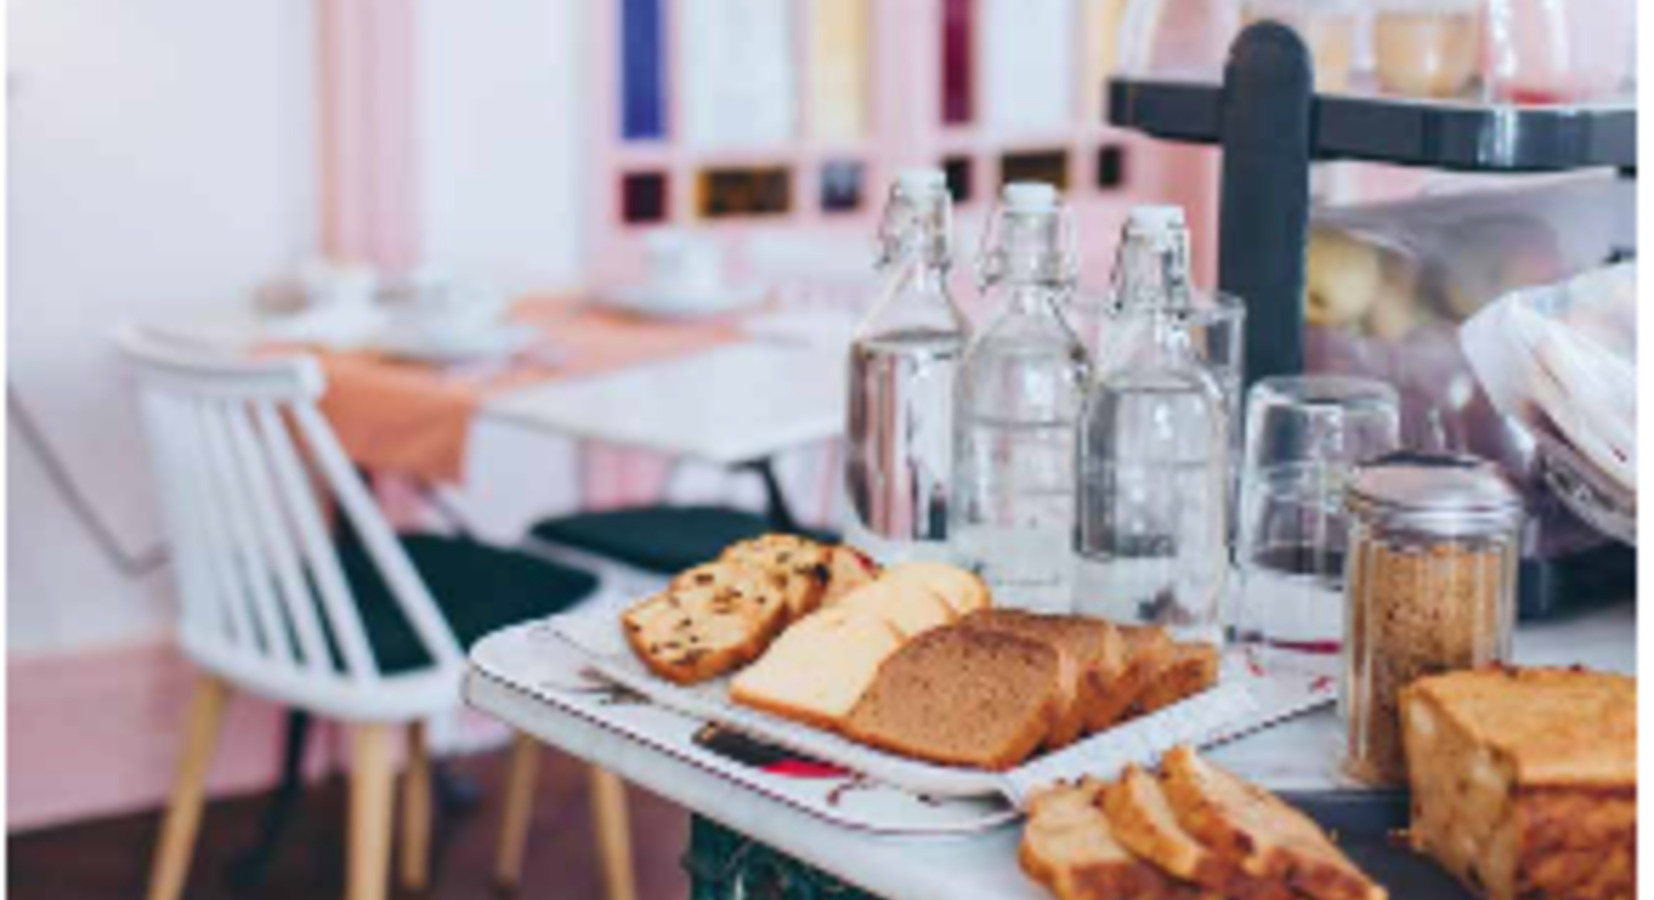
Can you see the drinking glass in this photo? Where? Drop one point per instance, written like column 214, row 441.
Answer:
column 1303, row 437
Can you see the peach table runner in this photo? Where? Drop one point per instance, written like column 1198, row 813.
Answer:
column 413, row 418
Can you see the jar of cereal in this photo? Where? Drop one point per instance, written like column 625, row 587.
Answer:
column 1430, row 585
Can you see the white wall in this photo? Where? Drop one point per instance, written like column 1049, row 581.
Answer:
column 160, row 163
column 502, row 131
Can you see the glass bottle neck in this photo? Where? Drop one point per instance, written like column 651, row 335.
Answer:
column 1152, row 272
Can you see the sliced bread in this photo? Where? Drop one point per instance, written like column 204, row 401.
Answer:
column 1143, row 820
column 800, row 566
column 718, row 619
column 1116, row 690
column 1187, row 670
column 1090, row 650
column 1250, row 826
column 1068, row 846
column 819, row 668
column 960, row 589
column 910, row 609
column 961, row 697
column 847, row 570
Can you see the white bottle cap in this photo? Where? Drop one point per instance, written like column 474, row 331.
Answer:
column 920, row 181
column 1029, row 196
column 1156, row 218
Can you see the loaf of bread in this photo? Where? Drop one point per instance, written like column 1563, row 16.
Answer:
column 1068, row 846
column 817, row 670
column 1089, row 653
column 961, row 697
column 1524, row 781
column 1251, row 827
column 710, row 621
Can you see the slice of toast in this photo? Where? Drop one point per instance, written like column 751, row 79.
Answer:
column 1068, row 846
column 961, row 697
column 1116, row 691
column 802, row 567
column 819, row 668
column 1187, row 670
column 712, row 623
column 910, row 609
column 1251, row 827
column 960, row 589
column 1087, row 647
column 1143, row 820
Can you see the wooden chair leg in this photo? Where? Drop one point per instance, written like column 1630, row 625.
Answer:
column 416, row 812
column 614, row 835
column 177, row 845
column 519, row 810
column 372, row 801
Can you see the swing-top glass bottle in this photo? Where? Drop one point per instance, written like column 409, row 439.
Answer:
column 1021, row 384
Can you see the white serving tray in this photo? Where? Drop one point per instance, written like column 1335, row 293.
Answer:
column 1244, row 700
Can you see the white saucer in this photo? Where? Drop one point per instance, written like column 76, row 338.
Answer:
column 679, row 303
column 464, row 343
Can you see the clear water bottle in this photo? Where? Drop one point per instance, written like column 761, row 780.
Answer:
column 1151, row 536
column 1021, row 384
column 899, row 433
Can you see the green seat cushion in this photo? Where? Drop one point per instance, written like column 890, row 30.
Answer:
column 661, row 539
column 479, row 589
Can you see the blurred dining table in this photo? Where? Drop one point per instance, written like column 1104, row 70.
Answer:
column 735, row 389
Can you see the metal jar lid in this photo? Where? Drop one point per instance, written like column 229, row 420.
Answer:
column 1435, row 493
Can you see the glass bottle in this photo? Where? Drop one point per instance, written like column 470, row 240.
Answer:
column 1020, row 386
column 899, row 429
column 1151, row 535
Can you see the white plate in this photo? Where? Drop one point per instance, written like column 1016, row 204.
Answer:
column 666, row 303
column 466, row 343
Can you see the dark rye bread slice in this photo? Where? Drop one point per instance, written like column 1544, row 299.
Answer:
column 1116, row 694
column 1143, row 820
column 1068, row 846
column 1091, row 652
column 961, row 697
column 1258, row 831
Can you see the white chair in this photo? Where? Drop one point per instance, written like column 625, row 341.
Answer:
column 271, row 604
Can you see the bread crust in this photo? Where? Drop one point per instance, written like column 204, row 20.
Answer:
column 1115, row 699
column 1068, row 846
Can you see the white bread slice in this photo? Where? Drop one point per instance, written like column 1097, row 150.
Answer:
column 909, row 609
column 958, row 588
column 819, row 668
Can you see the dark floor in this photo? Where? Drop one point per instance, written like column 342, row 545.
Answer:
column 110, row 858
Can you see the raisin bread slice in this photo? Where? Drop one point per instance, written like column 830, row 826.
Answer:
column 714, row 619
column 1253, row 828
column 1068, row 846
column 802, row 567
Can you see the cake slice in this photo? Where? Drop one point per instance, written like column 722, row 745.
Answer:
column 1089, row 649
column 910, row 609
column 961, row 697
column 1117, row 689
column 718, row 618
column 1068, row 846
column 1524, row 780
column 1188, row 669
column 1251, row 827
column 1143, row 820
column 819, row 668
column 958, row 588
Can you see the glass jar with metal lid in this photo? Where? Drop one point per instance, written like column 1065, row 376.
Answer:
column 1430, row 586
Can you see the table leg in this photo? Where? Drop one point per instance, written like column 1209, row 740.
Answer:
column 725, row 864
